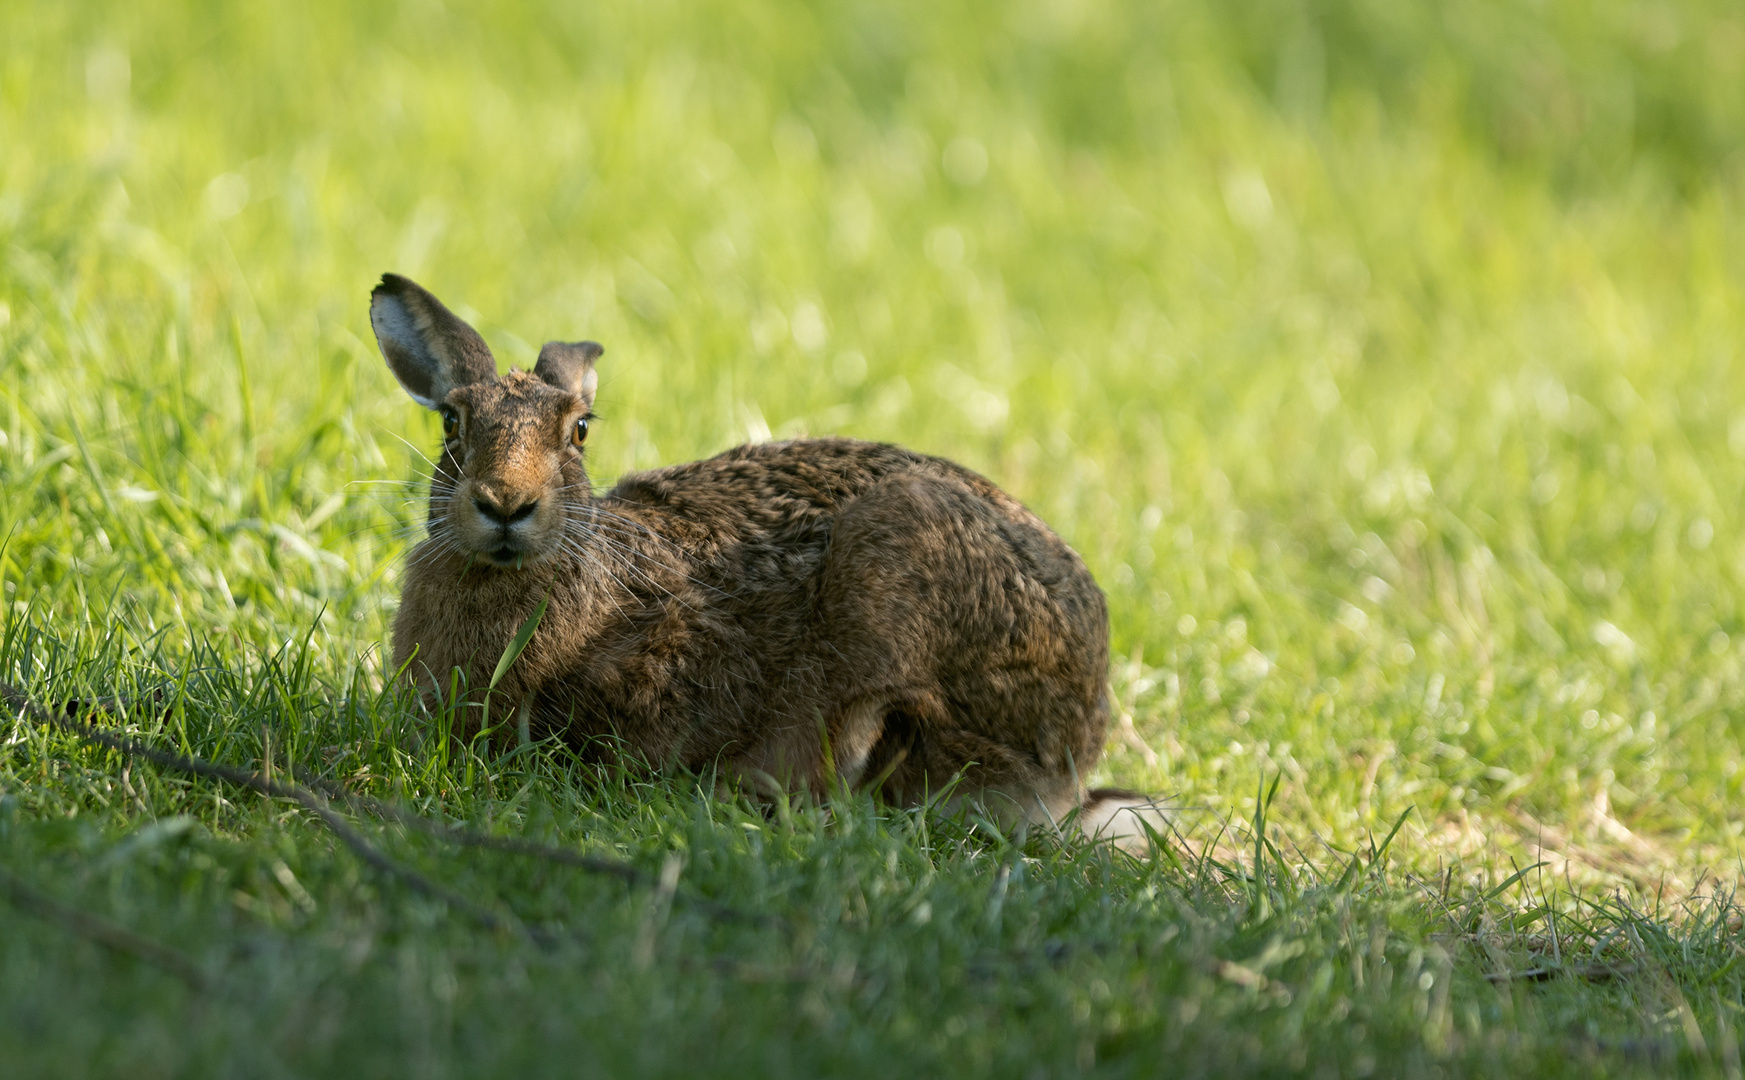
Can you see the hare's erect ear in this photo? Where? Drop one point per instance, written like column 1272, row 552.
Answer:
column 428, row 347
column 569, row 365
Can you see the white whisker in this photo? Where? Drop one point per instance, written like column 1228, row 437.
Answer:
column 417, row 451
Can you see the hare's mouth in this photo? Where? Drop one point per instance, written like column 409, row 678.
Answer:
column 513, row 556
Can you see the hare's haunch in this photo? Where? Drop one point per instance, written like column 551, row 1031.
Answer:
column 788, row 612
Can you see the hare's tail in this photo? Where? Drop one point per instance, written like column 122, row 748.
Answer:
column 1130, row 820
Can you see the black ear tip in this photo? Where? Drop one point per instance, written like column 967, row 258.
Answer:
column 570, row 351
column 392, row 285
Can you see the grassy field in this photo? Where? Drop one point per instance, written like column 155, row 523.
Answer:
column 1383, row 361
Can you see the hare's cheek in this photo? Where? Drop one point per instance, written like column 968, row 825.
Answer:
column 544, row 529
column 469, row 530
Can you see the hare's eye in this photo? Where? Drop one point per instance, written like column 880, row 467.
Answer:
column 450, row 422
column 579, row 433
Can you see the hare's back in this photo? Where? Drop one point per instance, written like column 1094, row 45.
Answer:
column 769, row 510
column 791, row 491
column 771, row 487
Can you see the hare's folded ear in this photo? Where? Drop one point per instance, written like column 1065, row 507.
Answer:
column 569, row 365
column 428, row 347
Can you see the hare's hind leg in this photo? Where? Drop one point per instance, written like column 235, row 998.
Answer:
column 859, row 727
column 971, row 640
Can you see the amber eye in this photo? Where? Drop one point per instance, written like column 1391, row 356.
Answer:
column 450, row 422
column 579, row 433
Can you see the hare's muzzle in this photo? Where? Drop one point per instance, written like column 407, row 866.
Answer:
column 504, row 530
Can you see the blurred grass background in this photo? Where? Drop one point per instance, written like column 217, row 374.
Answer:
column 1380, row 358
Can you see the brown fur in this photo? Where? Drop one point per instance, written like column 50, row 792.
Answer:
column 782, row 611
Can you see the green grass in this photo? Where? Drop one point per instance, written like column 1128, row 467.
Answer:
column 1383, row 361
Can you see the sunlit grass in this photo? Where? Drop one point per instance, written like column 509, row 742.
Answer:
column 1380, row 359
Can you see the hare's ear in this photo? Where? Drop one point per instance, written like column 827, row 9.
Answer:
column 428, row 347
column 569, row 365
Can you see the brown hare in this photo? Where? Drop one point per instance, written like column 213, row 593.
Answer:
column 790, row 613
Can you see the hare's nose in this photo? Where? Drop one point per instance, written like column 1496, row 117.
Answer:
column 503, row 516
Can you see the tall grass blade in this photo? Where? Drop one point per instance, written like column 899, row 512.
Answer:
column 518, row 643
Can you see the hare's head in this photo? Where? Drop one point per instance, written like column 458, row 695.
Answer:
column 511, row 445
